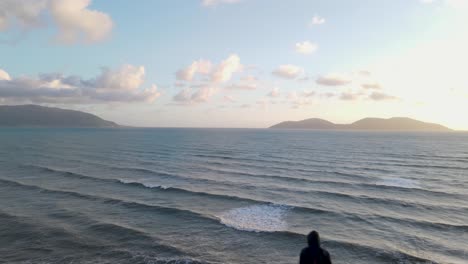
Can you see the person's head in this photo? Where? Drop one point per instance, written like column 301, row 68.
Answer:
column 313, row 239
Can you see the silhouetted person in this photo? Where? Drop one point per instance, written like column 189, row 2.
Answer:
column 314, row 253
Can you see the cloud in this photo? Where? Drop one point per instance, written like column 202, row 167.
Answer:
column 127, row 77
column 364, row 73
column 4, row 75
column 317, row 20
column 288, row 71
column 26, row 13
column 217, row 2
column 229, row 99
column 349, row 96
column 274, row 93
column 334, row 80
column 306, row 47
column 190, row 96
column 112, row 85
column 297, row 100
column 378, row 96
column 242, row 86
column 224, row 71
column 308, row 93
column 372, row 85
column 221, row 73
column 218, row 74
column 183, row 96
column 248, row 82
column 75, row 22
column 328, row 95
column 200, row 66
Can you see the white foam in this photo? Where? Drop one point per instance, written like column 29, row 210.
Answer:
column 257, row 218
column 399, row 182
column 148, row 185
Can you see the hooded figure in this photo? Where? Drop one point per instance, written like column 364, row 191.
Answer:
column 314, row 254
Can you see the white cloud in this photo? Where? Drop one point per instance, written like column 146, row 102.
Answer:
column 224, row 71
column 297, row 100
column 334, row 79
column 317, row 20
column 274, row 93
column 26, row 13
column 308, row 93
column 229, row 99
column 189, row 96
column 203, row 94
column 221, row 73
column 4, row 75
column 378, row 96
column 200, row 66
column 183, row 96
column 127, row 77
column 364, row 73
column 248, row 82
column 119, row 85
column 242, row 86
column 288, row 71
column 75, row 22
column 372, row 85
column 350, row 96
column 217, row 2
column 306, row 47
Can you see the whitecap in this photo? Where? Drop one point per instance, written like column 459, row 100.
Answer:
column 399, row 182
column 257, row 218
column 145, row 184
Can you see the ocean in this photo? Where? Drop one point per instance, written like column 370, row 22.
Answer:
column 231, row 195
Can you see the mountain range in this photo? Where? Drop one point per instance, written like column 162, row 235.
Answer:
column 390, row 124
column 41, row 116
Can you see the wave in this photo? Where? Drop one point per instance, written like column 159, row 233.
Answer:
column 244, row 218
column 256, row 201
column 400, row 182
column 425, row 166
column 256, row 218
column 384, row 184
column 22, row 234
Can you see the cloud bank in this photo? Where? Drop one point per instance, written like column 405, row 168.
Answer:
column 111, row 85
column 74, row 20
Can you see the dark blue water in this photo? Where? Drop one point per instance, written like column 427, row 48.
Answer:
column 231, row 196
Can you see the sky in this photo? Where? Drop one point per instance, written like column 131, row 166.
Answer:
column 238, row 63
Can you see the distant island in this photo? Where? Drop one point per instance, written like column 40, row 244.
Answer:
column 375, row 124
column 40, row 116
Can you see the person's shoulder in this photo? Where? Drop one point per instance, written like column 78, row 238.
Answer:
column 304, row 250
column 325, row 252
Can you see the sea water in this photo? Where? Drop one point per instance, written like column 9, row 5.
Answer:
column 231, row 195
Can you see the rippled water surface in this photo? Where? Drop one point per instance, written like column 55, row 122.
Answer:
column 231, row 195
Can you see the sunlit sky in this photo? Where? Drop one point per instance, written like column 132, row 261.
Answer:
column 238, row 63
